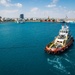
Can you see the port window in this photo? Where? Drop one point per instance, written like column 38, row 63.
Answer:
column 57, row 41
column 60, row 41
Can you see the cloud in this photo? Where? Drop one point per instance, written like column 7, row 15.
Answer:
column 4, row 2
column 53, row 3
column 58, row 12
column 34, row 9
column 33, row 12
column 7, row 3
column 18, row 5
column 9, row 13
column 71, row 12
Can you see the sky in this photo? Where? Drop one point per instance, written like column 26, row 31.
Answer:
column 37, row 8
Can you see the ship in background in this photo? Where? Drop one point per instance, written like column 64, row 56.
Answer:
column 61, row 42
column 67, row 20
column 21, row 19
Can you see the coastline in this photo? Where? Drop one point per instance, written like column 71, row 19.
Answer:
column 41, row 20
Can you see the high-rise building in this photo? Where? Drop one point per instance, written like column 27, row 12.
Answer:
column 22, row 16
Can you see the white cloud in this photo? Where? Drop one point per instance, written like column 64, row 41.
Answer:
column 33, row 12
column 9, row 13
column 58, row 12
column 53, row 3
column 4, row 2
column 71, row 12
column 34, row 9
column 7, row 3
column 18, row 5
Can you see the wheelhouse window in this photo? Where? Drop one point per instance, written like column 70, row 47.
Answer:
column 59, row 41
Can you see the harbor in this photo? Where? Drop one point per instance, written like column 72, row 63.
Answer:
column 48, row 19
column 37, row 37
column 22, row 49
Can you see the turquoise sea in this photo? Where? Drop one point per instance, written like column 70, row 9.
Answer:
column 22, row 50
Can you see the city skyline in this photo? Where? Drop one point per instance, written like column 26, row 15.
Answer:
column 37, row 8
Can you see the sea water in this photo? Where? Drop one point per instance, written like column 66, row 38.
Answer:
column 22, row 50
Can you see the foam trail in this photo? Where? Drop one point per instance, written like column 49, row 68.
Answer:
column 66, row 55
column 57, row 64
column 68, row 60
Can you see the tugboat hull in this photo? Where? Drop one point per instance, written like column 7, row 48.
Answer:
column 58, row 50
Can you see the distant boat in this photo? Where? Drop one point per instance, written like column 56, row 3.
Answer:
column 70, row 21
column 20, row 21
column 61, row 42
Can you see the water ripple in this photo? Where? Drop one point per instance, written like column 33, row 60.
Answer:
column 58, row 65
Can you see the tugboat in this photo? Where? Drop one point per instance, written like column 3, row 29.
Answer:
column 61, row 42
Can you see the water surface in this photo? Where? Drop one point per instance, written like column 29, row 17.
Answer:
column 22, row 50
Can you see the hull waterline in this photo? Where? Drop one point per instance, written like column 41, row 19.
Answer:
column 59, row 50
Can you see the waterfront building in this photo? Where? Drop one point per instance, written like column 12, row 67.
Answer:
column 22, row 16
